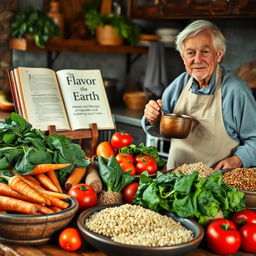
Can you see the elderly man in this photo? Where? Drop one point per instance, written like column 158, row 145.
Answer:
column 224, row 134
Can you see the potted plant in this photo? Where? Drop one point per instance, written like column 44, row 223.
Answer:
column 34, row 24
column 111, row 29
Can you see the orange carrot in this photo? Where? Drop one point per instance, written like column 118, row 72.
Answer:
column 47, row 193
column 43, row 168
column 53, row 177
column 47, row 183
column 6, row 190
column 17, row 205
column 44, row 209
column 75, row 177
column 33, row 179
column 22, row 187
column 55, row 208
column 56, row 201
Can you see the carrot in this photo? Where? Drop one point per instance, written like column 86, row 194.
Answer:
column 17, row 205
column 55, row 208
column 56, row 201
column 53, row 177
column 3, row 212
column 26, row 178
column 33, row 179
column 22, row 187
column 75, row 177
column 43, row 168
column 92, row 178
column 44, row 209
column 47, row 183
column 6, row 190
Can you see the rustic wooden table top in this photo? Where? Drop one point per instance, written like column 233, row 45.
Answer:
column 55, row 250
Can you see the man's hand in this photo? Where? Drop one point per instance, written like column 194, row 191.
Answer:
column 152, row 111
column 230, row 162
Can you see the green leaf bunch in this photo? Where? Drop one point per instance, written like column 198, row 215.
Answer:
column 189, row 195
column 112, row 175
column 35, row 23
column 22, row 147
column 123, row 26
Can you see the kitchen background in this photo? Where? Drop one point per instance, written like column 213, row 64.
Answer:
column 240, row 34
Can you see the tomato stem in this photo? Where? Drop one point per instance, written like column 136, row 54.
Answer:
column 225, row 226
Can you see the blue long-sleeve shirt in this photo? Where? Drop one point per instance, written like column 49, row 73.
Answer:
column 238, row 110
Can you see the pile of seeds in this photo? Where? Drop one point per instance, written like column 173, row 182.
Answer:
column 203, row 170
column 135, row 225
column 241, row 178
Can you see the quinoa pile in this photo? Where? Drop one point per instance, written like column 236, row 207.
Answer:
column 135, row 225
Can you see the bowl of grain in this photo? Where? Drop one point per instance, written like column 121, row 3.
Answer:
column 244, row 179
column 133, row 230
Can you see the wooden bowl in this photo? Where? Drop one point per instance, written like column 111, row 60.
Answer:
column 34, row 229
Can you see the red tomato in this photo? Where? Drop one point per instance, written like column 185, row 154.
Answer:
column 248, row 237
column 70, row 239
column 140, row 158
column 148, row 164
column 222, row 236
column 244, row 216
column 84, row 194
column 124, row 157
column 129, row 192
column 126, row 166
column 105, row 149
column 121, row 139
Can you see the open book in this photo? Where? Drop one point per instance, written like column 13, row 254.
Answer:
column 68, row 99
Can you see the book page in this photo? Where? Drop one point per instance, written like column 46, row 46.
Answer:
column 85, row 99
column 42, row 98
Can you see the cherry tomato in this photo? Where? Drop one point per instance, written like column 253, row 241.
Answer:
column 248, row 237
column 84, row 194
column 105, row 149
column 126, row 166
column 70, row 239
column 124, row 157
column 129, row 192
column 222, row 236
column 147, row 164
column 244, row 216
column 121, row 139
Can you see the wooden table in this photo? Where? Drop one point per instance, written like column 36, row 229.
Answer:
column 55, row 250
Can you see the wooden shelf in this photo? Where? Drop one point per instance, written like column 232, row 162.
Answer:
column 75, row 45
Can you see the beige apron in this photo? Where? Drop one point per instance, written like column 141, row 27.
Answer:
column 208, row 141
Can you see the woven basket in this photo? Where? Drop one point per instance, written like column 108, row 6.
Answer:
column 134, row 99
column 106, row 35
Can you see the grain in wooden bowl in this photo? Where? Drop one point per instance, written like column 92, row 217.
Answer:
column 244, row 179
column 25, row 229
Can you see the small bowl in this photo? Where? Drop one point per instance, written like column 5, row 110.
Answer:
column 26, row 229
column 110, row 247
column 175, row 126
column 250, row 199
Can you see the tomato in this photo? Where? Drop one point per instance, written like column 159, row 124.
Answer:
column 84, row 194
column 129, row 192
column 121, row 139
column 248, row 237
column 140, row 158
column 70, row 239
column 147, row 164
column 105, row 149
column 124, row 157
column 126, row 166
column 222, row 236
column 244, row 216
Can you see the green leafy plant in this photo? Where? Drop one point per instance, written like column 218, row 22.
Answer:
column 123, row 27
column 36, row 24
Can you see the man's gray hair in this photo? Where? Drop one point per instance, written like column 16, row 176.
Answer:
column 196, row 27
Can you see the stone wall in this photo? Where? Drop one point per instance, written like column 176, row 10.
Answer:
column 7, row 9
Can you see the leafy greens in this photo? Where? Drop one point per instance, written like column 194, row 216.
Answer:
column 189, row 195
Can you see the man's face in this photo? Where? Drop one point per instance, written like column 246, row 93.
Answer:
column 200, row 57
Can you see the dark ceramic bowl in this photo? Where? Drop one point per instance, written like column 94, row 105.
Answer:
column 108, row 246
column 27, row 229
